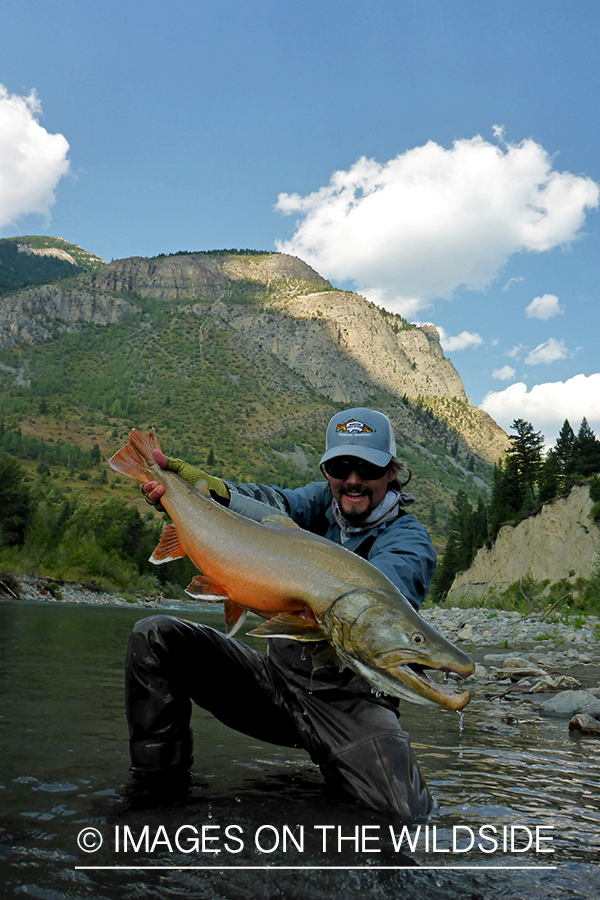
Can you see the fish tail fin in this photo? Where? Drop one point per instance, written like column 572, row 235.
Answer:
column 136, row 457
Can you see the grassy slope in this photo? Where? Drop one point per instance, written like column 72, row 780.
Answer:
column 19, row 270
column 207, row 391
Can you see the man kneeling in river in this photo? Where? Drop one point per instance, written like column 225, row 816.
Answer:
column 351, row 733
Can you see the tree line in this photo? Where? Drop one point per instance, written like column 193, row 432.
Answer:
column 523, row 480
column 69, row 537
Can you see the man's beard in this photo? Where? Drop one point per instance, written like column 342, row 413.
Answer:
column 354, row 516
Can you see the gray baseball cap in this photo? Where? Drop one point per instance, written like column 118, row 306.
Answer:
column 361, row 432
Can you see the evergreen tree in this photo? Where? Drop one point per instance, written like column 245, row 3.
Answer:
column 525, row 454
column 551, row 478
column 508, row 495
column 16, row 503
column 564, row 455
column 468, row 532
column 586, row 452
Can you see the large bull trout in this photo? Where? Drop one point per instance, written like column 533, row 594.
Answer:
column 307, row 587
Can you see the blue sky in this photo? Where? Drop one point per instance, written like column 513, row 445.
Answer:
column 441, row 157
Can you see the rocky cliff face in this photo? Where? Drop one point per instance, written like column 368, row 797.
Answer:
column 346, row 348
column 557, row 542
column 35, row 314
column 198, row 275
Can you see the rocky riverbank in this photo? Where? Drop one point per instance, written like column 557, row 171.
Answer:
column 520, row 659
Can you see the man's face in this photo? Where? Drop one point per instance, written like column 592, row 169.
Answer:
column 357, row 495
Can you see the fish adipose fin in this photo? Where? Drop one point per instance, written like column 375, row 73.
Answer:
column 168, row 548
column 287, row 625
column 235, row 616
column 202, row 588
column 278, row 521
column 136, row 457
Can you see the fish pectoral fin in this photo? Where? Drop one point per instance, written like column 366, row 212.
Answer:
column 235, row 616
column 288, row 625
column 278, row 521
column 168, row 548
column 202, row 588
column 324, row 656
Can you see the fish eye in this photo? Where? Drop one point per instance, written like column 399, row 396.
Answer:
column 417, row 638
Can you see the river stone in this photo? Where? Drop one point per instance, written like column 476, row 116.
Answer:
column 517, row 662
column 567, row 703
column 515, row 667
column 585, row 724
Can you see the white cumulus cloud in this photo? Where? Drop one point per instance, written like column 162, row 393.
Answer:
column 504, row 374
column 461, row 341
column 415, row 228
column 32, row 161
column 544, row 307
column 548, row 352
column 547, row 405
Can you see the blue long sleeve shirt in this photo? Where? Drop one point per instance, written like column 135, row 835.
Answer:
column 400, row 548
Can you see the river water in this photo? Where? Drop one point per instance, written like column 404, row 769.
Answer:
column 258, row 821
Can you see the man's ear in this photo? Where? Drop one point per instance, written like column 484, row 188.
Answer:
column 392, row 473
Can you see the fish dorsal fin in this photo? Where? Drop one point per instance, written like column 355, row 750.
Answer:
column 168, row 548
column 235, row 616
column 278, row 521
column 202, row 588
column 324, row 656
column 288, row 625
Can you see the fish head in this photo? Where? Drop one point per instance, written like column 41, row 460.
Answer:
column 383, row 638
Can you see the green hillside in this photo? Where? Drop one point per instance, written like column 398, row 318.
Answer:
column 208, row 392
column 20, row 268
column 215, row 397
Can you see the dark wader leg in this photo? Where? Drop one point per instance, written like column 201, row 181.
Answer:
column 358, row 745
column 171, row 662
column 362, row 750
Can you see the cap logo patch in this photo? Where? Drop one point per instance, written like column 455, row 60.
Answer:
column 353, row 426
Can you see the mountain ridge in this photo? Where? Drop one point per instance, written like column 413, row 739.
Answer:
column 239, row 360
column 345, row 346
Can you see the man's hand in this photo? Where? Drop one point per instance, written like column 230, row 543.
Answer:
column 153, row 490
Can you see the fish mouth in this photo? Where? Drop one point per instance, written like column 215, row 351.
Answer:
column 414, row 674
column 409, row 681
column 415, row 677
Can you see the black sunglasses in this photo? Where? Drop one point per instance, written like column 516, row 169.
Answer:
column 341, row 467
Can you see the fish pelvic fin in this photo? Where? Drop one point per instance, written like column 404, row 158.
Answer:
column 168, row 548
column 278, row 521
column 235, row 616
column 202, row 588
column 136, row 457
column 290, row 626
